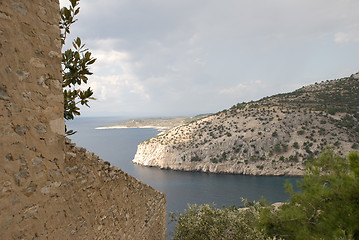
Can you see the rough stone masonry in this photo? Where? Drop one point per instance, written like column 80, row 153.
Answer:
column 49, row 188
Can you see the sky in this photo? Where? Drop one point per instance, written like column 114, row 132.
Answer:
column 187, row 57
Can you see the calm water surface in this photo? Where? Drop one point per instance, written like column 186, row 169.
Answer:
column 118, row 146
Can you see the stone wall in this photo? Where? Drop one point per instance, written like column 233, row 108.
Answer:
column 102, row 202
column 49, row 189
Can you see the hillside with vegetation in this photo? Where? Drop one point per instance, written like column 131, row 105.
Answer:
column 272, row 136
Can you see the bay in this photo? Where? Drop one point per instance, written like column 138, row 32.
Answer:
column 118, row 146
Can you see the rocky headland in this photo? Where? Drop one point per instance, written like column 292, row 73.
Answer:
column 276, row 135
column 157, row 123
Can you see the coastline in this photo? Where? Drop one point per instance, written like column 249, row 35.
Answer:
column 123, row 127
column 224, row 169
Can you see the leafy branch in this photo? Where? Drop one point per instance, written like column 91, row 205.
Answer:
column 75, row 66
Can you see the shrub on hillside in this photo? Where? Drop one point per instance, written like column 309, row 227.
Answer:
column 208, row 222
column 327, row 206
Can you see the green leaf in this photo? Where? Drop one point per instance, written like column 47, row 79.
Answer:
column 78, row 41
column 77, row 11
column 73, row 3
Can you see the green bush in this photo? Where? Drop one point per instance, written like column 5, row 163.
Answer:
column 208, row 222
column 332, row 111
column 327, row 206
column 214, row 160
column 277, row 148
column 195, row 159
column 293, row 158
column 300, row 132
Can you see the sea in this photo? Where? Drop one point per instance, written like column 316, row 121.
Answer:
column 118, row 146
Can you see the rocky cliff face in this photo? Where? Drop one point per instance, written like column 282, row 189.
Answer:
column 273, row 136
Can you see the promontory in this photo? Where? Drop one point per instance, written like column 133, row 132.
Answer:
column 276, row 135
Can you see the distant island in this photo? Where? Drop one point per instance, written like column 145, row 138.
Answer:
column 157, row 123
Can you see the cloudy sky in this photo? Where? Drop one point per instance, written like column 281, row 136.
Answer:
column 186, row 57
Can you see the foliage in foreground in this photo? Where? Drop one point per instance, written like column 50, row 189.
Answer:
column 75, row 66
column 327, row 207
column 207, row 222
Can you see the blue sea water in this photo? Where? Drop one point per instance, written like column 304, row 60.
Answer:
column 118, row 146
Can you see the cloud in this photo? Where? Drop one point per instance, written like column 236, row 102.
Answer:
column 251, row 90
column 236, row 90
column 346, row 37
column 114, row 74
column 182, row 56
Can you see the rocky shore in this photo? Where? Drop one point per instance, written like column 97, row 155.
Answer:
column 155, row 155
